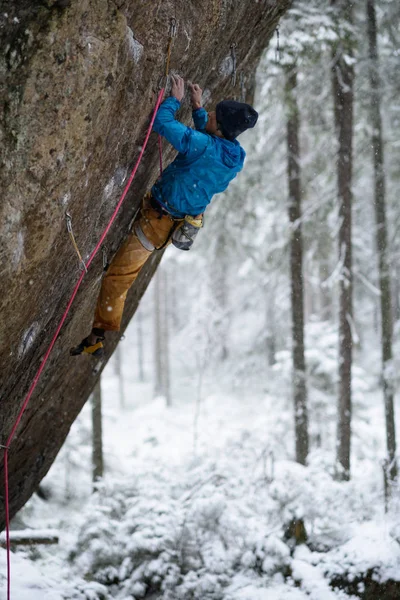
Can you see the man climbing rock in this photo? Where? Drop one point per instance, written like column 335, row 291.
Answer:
column 209, row 158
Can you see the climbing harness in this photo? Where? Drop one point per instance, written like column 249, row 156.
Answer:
column 137, row 226
column 142, row 238
column 68, row 219
column 86, row 265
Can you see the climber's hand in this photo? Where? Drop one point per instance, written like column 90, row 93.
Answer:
column 178, row 87
column 195, row 95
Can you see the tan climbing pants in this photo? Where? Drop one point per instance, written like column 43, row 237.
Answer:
column 127, row 263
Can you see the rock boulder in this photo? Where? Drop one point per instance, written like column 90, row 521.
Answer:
column 78, row 82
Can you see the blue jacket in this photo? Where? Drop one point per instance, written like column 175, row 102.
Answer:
column 204, row 166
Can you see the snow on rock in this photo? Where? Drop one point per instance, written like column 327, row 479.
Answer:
column 108, row 190
column 19, row 248
column 65, row 199
column 226, row 66
column 371, row 547
column 312, row 581
column 206, row 97
column 120, row 175
column 135, row 47
column 246, row 588
column 30, row 534
column 281, row 593
column 28, row 338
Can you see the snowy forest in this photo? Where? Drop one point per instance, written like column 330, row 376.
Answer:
column 241, row 444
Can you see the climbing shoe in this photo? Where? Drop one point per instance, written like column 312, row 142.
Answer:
column 85, row 347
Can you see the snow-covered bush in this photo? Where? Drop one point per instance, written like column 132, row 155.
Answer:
column 186, row 534
column 186, row 542
column 321, row 355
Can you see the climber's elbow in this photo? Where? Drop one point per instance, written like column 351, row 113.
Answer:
column 165, row 114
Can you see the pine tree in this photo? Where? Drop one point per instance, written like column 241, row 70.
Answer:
column 97, row 435
column 161, row 347
column 139, row 321
column 342, row 87
column 382, row 241
column 296, row 268
column 119, row 373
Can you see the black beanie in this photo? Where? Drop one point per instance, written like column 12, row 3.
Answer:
column 235, row 117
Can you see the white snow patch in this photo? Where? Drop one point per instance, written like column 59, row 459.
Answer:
column 312, row 581
column 28, row 338
column 29, row 534
column 246, row 267
column 243, row 588
column 65, row 199
column 371, row 547
column 135, row 47
column 120, row 175
column 206, row 96
column 27, row 582
column 226, row 66
column 19, row 248
column 109, row 188
column 189, row 39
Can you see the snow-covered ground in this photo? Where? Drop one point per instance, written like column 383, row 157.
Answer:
column 197, row 497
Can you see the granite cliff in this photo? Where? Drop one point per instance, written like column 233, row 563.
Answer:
column 78, row 82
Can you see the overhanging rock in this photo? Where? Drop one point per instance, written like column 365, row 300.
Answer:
column 78, row 81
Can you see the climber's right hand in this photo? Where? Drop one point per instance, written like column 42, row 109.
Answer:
column 195, row 95
column 178, row 87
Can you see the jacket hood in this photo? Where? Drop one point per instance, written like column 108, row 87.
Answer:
column 233, row 154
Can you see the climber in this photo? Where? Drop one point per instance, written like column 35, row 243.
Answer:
column 209, row 158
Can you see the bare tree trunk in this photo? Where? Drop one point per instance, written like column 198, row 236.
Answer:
column 270, row 327
column 324, row 291
column 139, row 320
column 396, row 293
column 382, row 242
column 97, row 435
column 165, row 340
column 157, row 335
column 162, row 387
column 296, row 270
column 308, row 296
column 342, row 84
column 119, row 373
column 219, row 282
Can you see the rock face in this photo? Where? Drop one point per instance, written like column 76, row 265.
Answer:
column 79, row 79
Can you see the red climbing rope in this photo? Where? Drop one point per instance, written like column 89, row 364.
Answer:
column 46, row 356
